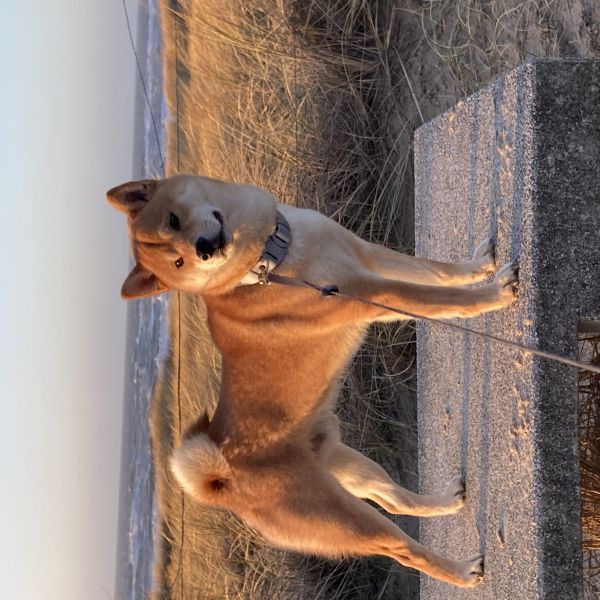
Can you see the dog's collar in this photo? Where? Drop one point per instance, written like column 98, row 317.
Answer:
column 276, row 249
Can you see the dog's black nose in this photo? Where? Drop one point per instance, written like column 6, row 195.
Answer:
column 205, row 248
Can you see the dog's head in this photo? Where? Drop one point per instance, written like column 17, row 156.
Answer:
column 183, row 231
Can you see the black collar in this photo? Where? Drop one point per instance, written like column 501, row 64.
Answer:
column 276, row 249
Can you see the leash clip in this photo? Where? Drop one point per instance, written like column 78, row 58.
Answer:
column 263, row 275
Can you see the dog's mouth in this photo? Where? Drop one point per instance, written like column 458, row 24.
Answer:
column 223, row 238
column 224, row 241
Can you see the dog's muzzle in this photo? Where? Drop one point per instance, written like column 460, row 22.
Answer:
column 206, row 247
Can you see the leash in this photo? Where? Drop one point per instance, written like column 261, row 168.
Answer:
column 333, row 290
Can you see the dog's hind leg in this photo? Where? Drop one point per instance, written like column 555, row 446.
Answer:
column 317, row 515
column 412, row 269
column 365, row 479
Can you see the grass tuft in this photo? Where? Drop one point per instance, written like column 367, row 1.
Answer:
column 589, row 458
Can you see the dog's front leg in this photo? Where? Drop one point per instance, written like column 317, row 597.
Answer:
column 437, row 302
column 413, row 269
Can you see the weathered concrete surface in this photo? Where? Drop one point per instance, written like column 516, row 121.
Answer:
column 519, row 161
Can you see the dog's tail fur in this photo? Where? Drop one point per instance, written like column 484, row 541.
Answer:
column 199, row 465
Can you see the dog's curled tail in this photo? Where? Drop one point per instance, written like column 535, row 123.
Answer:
column 199, row 466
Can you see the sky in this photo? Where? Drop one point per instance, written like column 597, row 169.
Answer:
column 66, row 136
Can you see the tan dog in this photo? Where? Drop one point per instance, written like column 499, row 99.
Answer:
column 272, row 453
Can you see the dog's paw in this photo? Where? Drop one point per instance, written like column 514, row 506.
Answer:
column 505, row 282
column 470, row 571
column 507, row 275
column 485, row 257
column 454, row 496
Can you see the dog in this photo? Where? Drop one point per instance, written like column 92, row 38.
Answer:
column 272, row 453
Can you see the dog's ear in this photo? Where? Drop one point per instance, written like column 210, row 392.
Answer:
column 140, row 283
column 132, row 196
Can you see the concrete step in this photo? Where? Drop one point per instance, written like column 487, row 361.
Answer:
column 518, row 161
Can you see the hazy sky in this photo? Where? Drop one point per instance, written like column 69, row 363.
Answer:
column 66, row 133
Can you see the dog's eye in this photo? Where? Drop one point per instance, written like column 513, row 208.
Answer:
column 174, row 222
column 179, row 263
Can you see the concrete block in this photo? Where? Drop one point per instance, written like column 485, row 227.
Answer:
column 518, row 161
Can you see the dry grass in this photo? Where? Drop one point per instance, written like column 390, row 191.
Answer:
column 317, row 101
column 589, row 422
column 296, row 102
